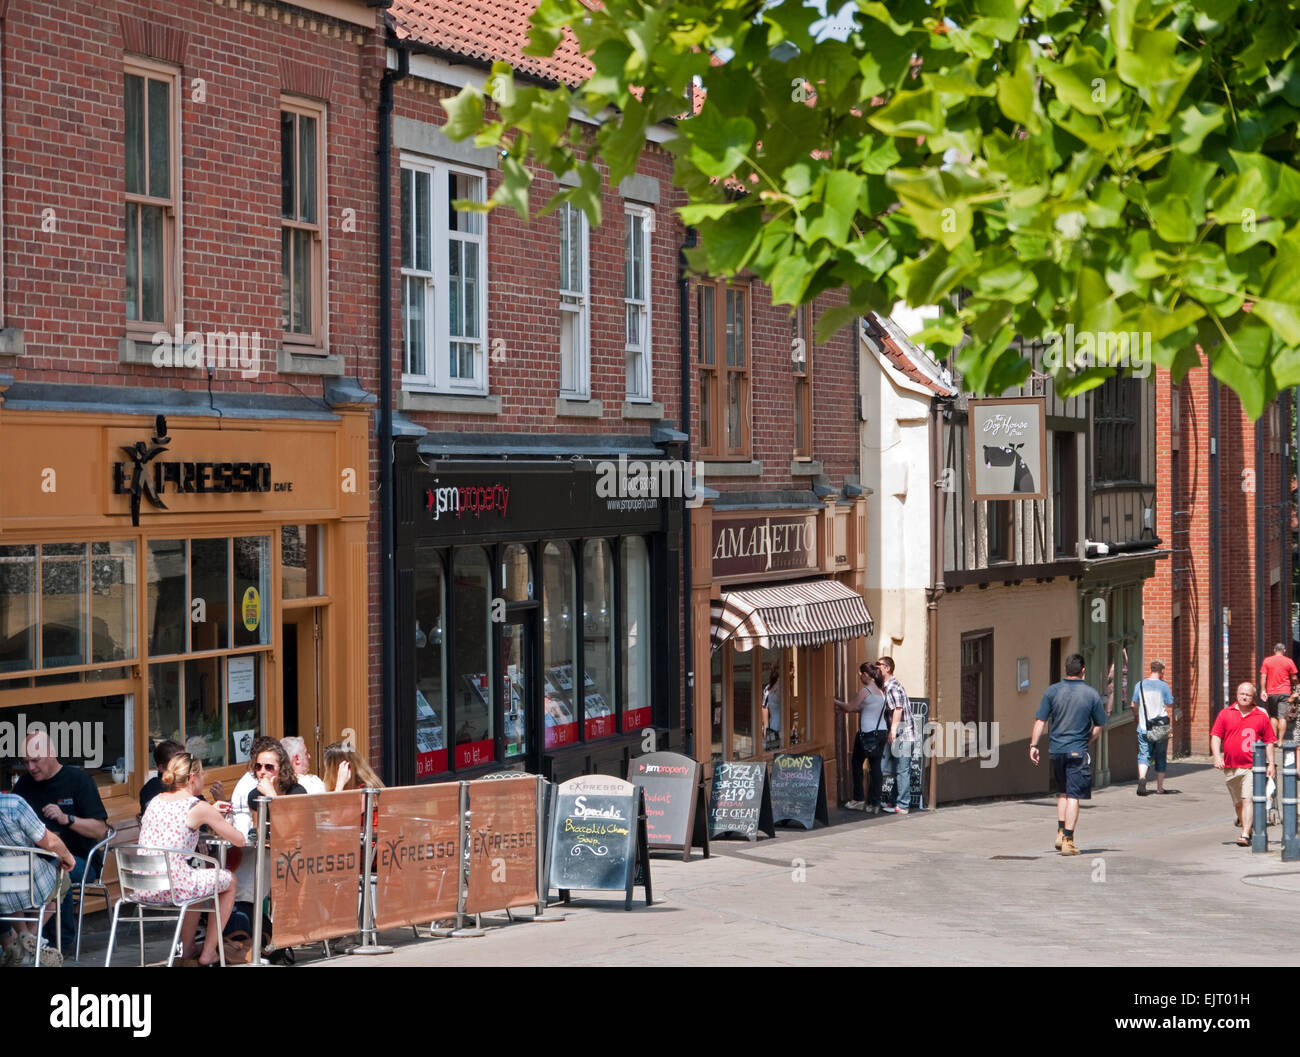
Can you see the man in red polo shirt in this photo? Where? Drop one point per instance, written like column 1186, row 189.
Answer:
column 1277, row 678
column 1232, row 740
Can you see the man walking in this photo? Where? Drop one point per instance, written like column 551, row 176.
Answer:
column 1151, row 703
column 1277, row 678
column 1077, row 715
column 902, row 738
column 68, row 802
column 1232, row 740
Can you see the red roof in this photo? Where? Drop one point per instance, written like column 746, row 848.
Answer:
column 904, row 356
column 488, row 31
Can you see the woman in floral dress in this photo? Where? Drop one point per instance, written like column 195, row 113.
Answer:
column 172, row 820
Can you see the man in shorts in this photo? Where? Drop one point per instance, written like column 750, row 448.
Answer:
column 1232, row 740
column 1077, row 716
column 1277, row 678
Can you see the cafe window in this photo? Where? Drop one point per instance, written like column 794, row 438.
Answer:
column 430, row 668
column 301, row 560
column 208, row 597
column 472, row 603
column 637, row 636
column 598, row 625
column 93, row 733
column 558, row 645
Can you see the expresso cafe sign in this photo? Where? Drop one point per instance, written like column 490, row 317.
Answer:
column 147, row 474
column 759, row 545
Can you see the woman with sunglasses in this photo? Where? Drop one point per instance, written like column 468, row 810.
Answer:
column 172, row 820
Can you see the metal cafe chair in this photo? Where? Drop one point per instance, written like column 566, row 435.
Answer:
column 99, row 853
column 18, row 877
column 141, row 870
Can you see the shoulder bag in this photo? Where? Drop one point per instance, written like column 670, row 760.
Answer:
column 874, row 741
column 1158, row 728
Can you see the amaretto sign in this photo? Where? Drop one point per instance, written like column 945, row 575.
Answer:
column 755, row 546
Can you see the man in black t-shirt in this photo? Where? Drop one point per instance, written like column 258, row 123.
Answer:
column 67, row 800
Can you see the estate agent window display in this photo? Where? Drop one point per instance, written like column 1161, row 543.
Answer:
column 499, row 648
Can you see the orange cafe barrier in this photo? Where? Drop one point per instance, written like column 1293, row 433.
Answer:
column 417, row 854
column 316, row 863
column 503, row 836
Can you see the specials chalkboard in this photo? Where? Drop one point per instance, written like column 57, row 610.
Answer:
column 739, row 801
column 798, row 789
column 674, row 802
column 598, row 837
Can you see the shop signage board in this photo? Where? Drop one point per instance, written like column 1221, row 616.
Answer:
column 740, row 801
column 417, row 854
column 674, row 802
column 798, row 789
column 1008, row 445
column 756, row 547
column 598, row 838
column 920, row 716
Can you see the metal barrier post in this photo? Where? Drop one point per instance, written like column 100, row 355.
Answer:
column 1290, row 842
column 461, row 930
column 544, row 793
column 369, row 934
column 259, row 883
column 1259, row 822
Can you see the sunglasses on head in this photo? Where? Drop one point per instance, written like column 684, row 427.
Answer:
column 272, row 767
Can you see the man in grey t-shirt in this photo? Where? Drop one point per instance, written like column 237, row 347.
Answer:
column 1077, row 716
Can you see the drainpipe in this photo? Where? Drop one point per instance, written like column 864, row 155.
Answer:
column 688, row 606
column 387, row 513
column 1216, row 611
column 936, row 578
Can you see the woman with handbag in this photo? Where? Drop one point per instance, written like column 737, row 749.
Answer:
column 873, row 733
column 1152, row 701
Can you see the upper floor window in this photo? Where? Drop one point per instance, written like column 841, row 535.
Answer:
column 152, row 249
column 575, row 318
column 302, row 223
column 801, row 366
column 1117, row 410
column 636, row 298
column 724, row 369
column 444, row 279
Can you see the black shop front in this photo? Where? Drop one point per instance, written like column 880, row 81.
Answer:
column 537, row 618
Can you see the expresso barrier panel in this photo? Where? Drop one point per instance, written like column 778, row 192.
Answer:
column 315, row 853
column 417, row 854
column 503, row 844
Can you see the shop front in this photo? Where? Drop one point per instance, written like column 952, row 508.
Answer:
column 182, row 576
column 779, row 623
column 536, row 617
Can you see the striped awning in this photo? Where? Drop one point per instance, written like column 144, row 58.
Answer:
column 803, row 614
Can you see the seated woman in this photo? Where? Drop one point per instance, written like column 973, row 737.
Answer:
column 274, row 773
column 345, row 769
column 172, row 820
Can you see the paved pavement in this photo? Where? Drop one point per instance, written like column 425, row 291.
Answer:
column 975, row 884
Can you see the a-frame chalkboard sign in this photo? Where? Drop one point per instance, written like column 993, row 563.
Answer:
column 676, row 814
column 739, row 801
column 598, row 838
column 798, row 786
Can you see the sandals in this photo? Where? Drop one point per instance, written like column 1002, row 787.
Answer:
column 1243, row 842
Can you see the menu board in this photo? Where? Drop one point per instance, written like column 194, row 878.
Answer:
column 798, row 789
column 739, row 801
column 674, row 806
column 598, row 837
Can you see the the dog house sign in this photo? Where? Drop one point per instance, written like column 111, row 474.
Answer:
column 1008, row 442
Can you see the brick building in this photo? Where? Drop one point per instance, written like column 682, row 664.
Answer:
column 587, row 345
column 1217, row 609
column 186, row 363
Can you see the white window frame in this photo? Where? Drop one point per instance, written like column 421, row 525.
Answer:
column 639, row 373
column 437, row 317
column 317, row 341
column 576, row 301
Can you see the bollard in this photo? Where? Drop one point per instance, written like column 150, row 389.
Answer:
column 369, row 934
column 1259, row 823
column 259, row 885
column 1290, row 843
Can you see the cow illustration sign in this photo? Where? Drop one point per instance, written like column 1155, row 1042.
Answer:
column 1008, row 441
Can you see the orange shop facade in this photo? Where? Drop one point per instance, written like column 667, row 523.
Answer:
column 187, row 575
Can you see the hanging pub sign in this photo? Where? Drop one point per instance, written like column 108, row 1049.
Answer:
column 674, row 801
column 598, row 838
column 739, row 801
column 1008, row 442
column 799, row 789
column 756, row 546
